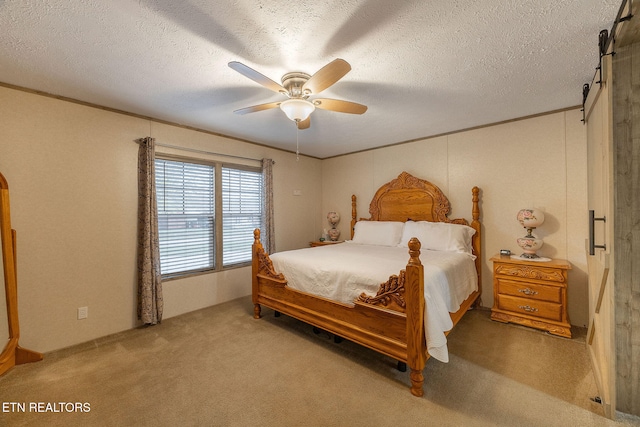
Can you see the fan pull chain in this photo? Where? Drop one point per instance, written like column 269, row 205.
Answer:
column 297, row 142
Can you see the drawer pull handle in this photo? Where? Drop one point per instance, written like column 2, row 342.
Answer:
column 527, row 308
column 528, row 291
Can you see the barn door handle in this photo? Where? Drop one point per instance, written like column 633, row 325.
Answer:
column 592, row 226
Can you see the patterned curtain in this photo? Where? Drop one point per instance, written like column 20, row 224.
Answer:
column 268, row 234
column 150, row 303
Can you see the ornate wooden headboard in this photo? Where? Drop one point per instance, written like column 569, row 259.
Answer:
column 410, row 198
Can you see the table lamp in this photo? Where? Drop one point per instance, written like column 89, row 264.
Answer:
column 530, row 219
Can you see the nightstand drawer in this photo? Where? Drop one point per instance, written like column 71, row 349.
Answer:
column 529, row 272
column 547, row 310
column 530, row 290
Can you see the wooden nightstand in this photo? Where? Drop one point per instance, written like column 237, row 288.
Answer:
column 531, row 293
column 323, row 243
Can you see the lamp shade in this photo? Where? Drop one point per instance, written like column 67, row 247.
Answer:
column 531, row 218
column 297, row 109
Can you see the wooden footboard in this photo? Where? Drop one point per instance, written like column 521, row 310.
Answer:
column 390, row 322
column 372, row 324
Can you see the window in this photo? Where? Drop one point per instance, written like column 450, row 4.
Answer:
column 242, row 197
column 186, row 216
column 188, row 195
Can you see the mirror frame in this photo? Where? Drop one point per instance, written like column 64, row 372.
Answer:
column 12, row 354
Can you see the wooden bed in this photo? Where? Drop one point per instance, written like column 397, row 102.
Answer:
column 391, row 322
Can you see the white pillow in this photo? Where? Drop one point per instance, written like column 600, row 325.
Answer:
column 439, row 236
column 383, row 233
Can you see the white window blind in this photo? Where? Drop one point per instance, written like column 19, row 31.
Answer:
column 242, row 206
column 186, row 212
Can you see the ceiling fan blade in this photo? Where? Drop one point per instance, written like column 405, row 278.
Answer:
column 259, row 107
column 339, row 106
column 257, row 77
column 305, row 123
column 326, row 76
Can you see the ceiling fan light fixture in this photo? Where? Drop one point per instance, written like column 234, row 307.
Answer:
column 296, row 109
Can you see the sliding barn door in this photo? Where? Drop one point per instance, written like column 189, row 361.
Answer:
column 626, row 237
column 612, row 114
column 599, row 245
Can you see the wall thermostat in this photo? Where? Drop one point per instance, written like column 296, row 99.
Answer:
column 505, row 252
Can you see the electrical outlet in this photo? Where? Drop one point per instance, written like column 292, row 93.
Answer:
column 83, row 313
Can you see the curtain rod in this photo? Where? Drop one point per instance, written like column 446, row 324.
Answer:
column 193, row 150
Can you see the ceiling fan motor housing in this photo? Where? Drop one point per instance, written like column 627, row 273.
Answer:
column 293, row 82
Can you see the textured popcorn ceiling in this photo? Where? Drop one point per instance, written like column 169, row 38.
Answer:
column 422, row 67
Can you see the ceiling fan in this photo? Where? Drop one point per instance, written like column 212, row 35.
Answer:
column 298, row 87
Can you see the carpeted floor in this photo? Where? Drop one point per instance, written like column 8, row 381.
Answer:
column 221, row 367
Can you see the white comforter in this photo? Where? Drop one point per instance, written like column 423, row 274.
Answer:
column 342, row 272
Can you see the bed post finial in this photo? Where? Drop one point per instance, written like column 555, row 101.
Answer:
column 414, row 251
column 354, row 214
column 256, row 235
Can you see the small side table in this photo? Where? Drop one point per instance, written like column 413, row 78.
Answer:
column 324, row 243
column 531, row 293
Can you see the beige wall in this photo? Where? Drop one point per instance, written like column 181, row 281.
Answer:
column 536, row 162
column 72, row 173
